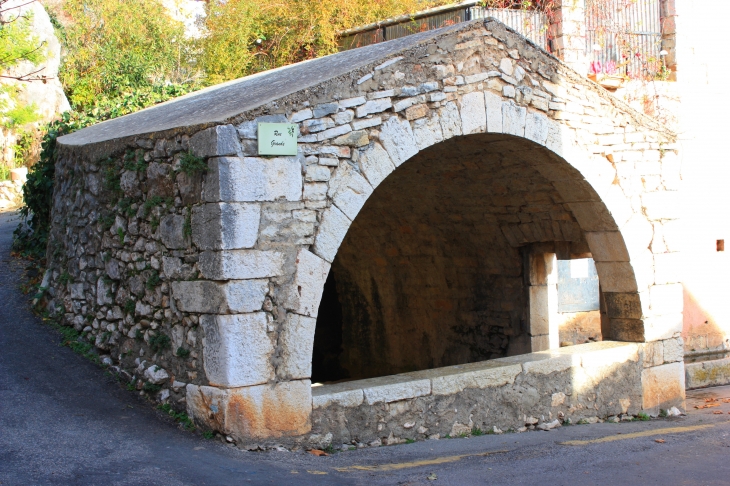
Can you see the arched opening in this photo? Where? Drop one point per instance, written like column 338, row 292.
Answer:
column 448, row 262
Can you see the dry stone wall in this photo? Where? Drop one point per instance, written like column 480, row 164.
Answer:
column 153, row 252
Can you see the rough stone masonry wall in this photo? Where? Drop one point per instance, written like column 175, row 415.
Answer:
column 120, row 240
column 230, row 264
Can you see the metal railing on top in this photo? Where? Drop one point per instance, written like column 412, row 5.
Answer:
column 532, row 24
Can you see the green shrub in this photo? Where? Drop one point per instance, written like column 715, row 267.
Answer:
column 190, row 164
column 151, row 387
column 153, row 281
column 159, row 342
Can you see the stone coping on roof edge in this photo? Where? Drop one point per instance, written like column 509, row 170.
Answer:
column 221, row 103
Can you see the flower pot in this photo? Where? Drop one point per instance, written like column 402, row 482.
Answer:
column 608, row 81
column 611, row 82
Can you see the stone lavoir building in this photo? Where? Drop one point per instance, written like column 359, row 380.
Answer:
column 406, row 259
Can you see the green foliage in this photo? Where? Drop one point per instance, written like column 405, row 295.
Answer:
column 151, row 387
column 642, row 417
column 107, row 221
column 150, row 203
column 112, row 177
column 125, row 206
column 208, row 434
column 22, row 147
column 248, row 36
column 408, row 441
column 116, row 48
column 64, row 278
column 191, row 165
column 134, row 161
column 17, row 44
column 182, row 352
column 17, row 115
column 73, row 339
column 31, row 239
column 129, row 307
column 153, row 280
column 159, row 342
column 180, row 417
column 476, row 431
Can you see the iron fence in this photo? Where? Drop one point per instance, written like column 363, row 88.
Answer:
column 533, row 24
column 530, row 23
column 626, row 34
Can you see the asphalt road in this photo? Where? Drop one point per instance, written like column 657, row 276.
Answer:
column 63, row 420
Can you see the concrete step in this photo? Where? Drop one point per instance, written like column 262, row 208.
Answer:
column 708, row 370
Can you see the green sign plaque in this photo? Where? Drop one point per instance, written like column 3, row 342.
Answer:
column 278, row 138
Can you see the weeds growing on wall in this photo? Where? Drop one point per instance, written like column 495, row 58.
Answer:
column 31, row 238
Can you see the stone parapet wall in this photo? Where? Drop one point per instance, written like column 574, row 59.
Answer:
column 539, row 390
column 713, row 372
column 11, row 194
column 227, row 262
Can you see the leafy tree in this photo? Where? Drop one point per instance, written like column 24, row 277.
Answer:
column 18, row 47
column 116, row 48
column 121, row 57
column 243, row 37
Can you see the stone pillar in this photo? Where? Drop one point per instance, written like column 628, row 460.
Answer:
column 569, row 34
column 257, row 362
column 543, row 302
column 668, row 15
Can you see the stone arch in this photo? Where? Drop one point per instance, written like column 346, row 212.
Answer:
column 247, row 248
column 524, row 137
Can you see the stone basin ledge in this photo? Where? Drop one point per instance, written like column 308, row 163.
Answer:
column 507, row 393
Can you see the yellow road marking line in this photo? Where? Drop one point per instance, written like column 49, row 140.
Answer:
column 423, row 462
column 646, row 433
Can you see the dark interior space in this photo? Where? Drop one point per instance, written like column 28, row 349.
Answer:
column 430, row 273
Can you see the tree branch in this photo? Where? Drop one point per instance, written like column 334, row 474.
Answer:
column 22, row 57
column 28, row 77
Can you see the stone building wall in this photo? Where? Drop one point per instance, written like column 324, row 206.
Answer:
column 230, row 261
column 701, row 81
column 120, row 242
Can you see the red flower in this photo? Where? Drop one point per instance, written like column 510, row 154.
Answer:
column 596, row 67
